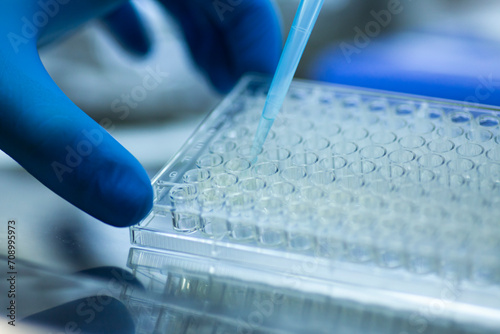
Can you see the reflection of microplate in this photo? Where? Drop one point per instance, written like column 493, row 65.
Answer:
column 392, row 182
column 185, row 294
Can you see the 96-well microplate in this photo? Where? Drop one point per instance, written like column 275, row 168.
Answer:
column 356, row 181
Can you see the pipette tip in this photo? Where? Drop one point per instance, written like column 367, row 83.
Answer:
column 260, row 136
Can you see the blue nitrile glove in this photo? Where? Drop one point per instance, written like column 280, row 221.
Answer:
column 456, row 67
column 58, row 143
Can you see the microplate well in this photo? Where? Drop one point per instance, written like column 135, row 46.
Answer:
column 404, row 190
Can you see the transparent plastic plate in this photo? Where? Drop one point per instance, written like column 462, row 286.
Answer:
column 388, row 191
column 190, row 294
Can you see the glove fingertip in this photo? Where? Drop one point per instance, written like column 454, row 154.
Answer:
column 112, row 185
column 131, row 196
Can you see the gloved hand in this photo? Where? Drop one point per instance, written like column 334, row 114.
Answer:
column 58, row 143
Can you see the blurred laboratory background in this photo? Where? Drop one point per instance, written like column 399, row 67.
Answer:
column 441, row 48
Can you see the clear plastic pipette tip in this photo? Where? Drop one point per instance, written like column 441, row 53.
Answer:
column 302, row 26
column 260, row 136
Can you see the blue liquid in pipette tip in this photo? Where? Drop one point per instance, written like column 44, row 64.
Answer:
column 302, row 27
column 263, row 129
